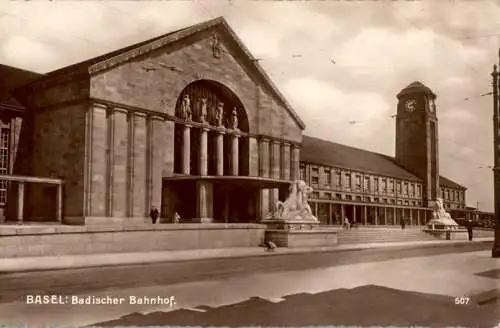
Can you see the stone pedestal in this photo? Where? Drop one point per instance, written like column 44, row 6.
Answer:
column 299, row 234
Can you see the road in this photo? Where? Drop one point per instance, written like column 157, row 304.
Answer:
column 445, row 270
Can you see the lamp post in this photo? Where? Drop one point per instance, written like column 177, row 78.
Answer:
column 495, row 252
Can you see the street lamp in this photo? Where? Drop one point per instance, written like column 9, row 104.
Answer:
column 495, row 252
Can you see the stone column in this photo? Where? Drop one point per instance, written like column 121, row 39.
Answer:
column 418, row 217
column 376, row 208
column 203, row 152
column 20, row 202
column 186, row 150
column 220, row 153
column 275, row 170
column 411, row 216
column 225, row 210
column 394, row 219
column 365, row 215
column 385, row 215
column 285, row 161
column 59, row 202
column 204, row 202
column 354, row 218
column 342, row 213
column 295, row 163
column 264, row 167
column 235, row 155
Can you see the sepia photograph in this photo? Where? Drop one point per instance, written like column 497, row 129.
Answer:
column 236, row 163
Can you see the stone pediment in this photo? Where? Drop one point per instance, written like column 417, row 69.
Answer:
column 131, row 53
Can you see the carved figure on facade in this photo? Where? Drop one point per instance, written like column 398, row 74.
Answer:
column 203, row 110
column 296, row 207
column 219, row 114
column 234, row 119
column 186, row 108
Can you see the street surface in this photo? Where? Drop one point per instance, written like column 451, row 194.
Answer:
column 464, row 272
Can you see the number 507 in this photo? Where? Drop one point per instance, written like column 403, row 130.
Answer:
column 461, row 300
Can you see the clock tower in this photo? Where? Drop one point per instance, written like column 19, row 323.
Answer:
column 417, row 137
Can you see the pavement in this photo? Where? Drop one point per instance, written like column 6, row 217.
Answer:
column 403, row 287
column 41, row 263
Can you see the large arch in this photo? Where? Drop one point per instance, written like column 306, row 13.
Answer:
column 215, row 94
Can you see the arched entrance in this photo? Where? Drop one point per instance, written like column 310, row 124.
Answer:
column 211, row 150
column 216, row 99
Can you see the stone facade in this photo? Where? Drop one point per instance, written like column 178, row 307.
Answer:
column 107, row 128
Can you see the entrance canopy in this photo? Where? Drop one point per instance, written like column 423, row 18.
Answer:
column 258, row 182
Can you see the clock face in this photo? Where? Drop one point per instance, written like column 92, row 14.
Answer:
column 411, row 105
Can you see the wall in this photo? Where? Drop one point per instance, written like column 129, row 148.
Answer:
column 315, row 176
column 58, row 152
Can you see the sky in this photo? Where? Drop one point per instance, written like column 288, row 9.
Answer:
column 339, row 63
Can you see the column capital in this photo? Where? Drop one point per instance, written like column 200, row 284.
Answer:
column 156, row 117
column 264, row 139
column 118, row 110
column 275, row 141
column 139, row 114
column 189, row 126
column 100, row 105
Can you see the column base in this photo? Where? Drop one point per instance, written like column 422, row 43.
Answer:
column 203, row 220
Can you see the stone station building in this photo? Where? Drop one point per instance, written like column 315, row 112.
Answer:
column 190, row 123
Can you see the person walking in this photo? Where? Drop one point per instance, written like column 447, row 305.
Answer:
column 470, row 226
column 154, row 214
column 347, row 224
column 403, row 223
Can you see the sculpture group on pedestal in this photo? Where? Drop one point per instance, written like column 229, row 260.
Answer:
column 187, row 115
column 296, row 206
column 441, row 218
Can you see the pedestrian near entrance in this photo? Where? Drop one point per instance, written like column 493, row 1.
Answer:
column 154, row 214
column 470, row 226
column 347, row 224
column 403, row 223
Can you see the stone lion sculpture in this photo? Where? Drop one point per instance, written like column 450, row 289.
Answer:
column 296, row 206
column 441, row 218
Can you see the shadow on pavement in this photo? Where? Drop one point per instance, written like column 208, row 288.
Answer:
column 361, row 306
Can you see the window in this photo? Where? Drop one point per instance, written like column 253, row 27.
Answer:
column 452, row 196
column 442, row 194
column 376, row 200
column 4, row 160
column 302, row 173
column 348, row 197
column 391, row 186
column 348, row 180
column 412, row 190
column 447, row 195
column 328, row 177
column 405, row 188
column 358, row 182
column 384, row 185
column 367, row 184
column 398, row 188
column 418, row 192
column 315, row 194
column 375, row 184
column 338, row 177
column 315, row 176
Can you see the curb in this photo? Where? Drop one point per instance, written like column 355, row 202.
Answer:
column 34, row 264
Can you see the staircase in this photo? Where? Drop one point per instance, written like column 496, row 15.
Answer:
column 364, row 235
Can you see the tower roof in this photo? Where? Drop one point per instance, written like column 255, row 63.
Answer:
column 416, row 87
